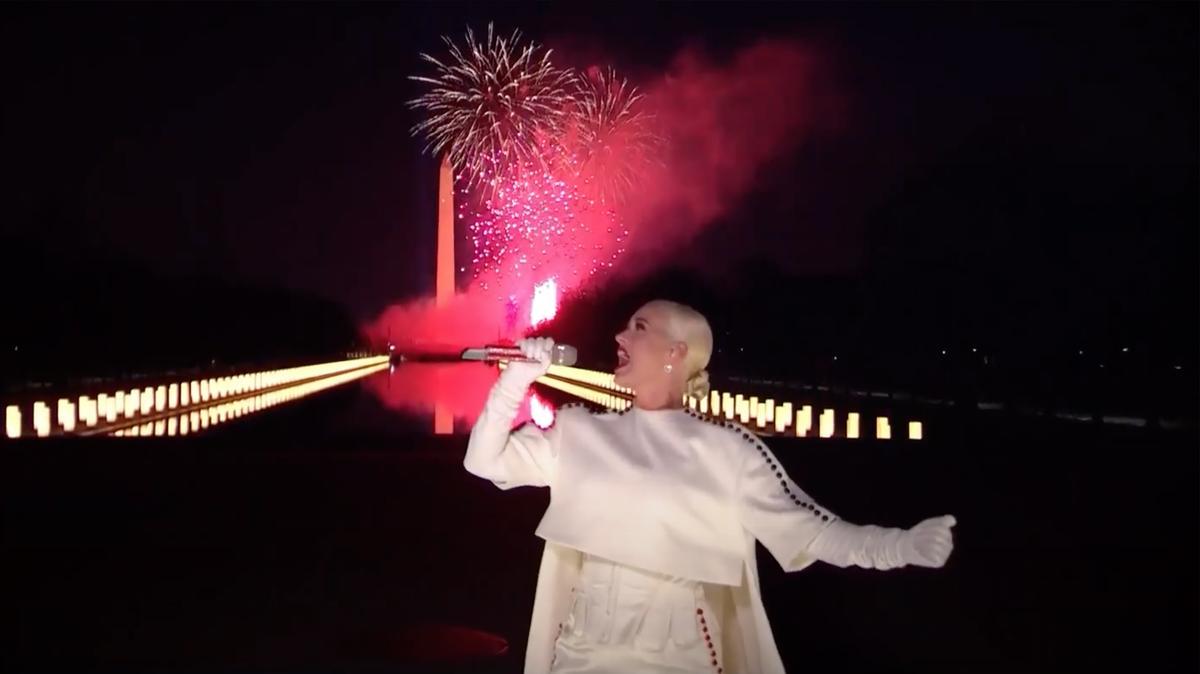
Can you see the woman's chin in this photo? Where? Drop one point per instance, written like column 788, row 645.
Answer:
column 621, row 377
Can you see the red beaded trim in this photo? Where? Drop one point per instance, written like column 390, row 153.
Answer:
column 712, row 650
column 554, row 654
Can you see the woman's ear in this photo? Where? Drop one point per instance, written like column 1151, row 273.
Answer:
column 679, row 351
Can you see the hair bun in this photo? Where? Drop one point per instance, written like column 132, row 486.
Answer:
column 697, row 385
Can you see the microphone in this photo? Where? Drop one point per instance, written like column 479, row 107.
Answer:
column 561, row 354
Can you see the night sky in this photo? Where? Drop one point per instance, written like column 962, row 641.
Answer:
column 1049, row 147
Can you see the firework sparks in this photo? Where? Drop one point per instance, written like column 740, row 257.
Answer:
column 493, row 104
column 611, row 139
column 539, row 226
column 545, row 302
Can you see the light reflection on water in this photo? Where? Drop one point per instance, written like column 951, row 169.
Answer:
column 447, row 397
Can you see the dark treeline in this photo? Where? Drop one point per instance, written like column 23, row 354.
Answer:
column 873, row 333
column 73, row 312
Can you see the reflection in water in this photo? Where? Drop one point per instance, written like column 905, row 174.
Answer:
column 541, row 411
column 155, row 410
column 450, row 394
column 202, row 417
column 454, row 394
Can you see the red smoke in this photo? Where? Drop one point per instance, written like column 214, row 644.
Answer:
column 469, row 319
column 458, row 388
column 725, row 122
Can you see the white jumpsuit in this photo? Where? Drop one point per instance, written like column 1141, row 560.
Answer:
column 623, row 619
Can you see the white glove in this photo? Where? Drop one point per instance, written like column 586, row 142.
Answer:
column 519, row 375
column 873, row 547
column 928, row 543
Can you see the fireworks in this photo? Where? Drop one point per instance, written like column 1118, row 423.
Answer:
column 610, row 138
column 543, row 158
column 545, row 302
column 494, row 104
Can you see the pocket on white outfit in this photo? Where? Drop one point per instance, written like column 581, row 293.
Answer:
column 689, row 622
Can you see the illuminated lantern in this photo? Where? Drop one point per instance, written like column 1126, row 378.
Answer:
column 852, row 423
column 785, row 411
column 12, row 421
column 826, row 422
column 69, row 417
column 87, row 412
column 883, row 431
column 66, row 415
column 915, row 430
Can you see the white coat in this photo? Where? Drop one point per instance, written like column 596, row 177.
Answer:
column 668, row 491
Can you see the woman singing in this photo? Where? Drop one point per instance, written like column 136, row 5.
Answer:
column 649, row 563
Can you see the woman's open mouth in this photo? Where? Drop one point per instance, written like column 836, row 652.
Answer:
column 622, row 359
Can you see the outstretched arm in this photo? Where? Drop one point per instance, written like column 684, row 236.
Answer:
column 873, row 547
column 526, row 456
column 798, row 531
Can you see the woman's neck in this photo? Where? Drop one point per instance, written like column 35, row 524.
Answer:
column 651, row 401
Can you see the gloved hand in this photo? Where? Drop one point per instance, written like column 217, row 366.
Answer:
column 495, row 451
column 928, row 543
column 519, row 375
column 874, row 547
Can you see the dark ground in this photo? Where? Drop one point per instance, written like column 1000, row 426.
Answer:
column 293, row 543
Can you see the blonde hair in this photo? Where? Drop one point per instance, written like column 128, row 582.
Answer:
column 689, row 326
